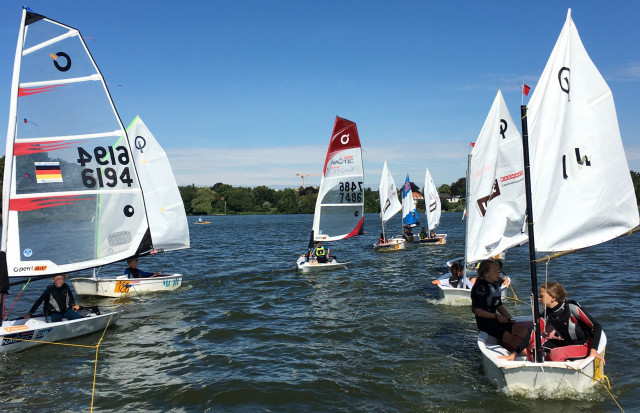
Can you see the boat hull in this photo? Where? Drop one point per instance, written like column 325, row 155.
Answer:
column 440, row 239
column 120, row 286
column 548, row 378
column 394, row 244
column 312, row 266
column 450, row 293
column 36, row 329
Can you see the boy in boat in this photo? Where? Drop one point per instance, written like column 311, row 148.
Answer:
column 381, row 240
column 322, row 254
column 486, row 304
column 567, row 331
column 134, row 272
column 58, row 301
column 423, row 233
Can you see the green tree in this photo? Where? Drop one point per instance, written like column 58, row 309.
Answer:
column 444, row 189
column 188, row 193
column 202, row 203
column 459, row 187
column 371, row 200
column 635, row 178
column 288, row 203
column 240, row 200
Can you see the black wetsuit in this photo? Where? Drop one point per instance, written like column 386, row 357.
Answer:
column 62, row 300
column 487, row 296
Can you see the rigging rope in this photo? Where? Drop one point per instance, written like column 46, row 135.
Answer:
column 97, row 347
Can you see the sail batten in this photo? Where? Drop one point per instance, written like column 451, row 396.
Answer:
column 50, row 42
column 91, row 78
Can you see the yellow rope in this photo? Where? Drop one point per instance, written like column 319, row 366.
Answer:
column 97, row 347
column 601, row 379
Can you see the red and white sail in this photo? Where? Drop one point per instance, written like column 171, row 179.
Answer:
column 339, row 209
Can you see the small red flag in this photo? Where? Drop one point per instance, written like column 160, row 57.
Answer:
column 525, row 89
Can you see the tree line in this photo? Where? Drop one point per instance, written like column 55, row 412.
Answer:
column 226, row 199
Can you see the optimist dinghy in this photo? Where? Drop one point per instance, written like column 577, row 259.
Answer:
column 575, row 166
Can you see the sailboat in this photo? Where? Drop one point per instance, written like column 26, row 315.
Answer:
column 495, row 201
column 339, row 212
column 389, row 206
column 409, row 214
column 579, row 194
column 433, row 210
column 168, row 225
column 71, row 198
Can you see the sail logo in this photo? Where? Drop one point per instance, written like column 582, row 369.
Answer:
column 343, row 160
column 344, row 139
column 511, row 176
column 484, row 201
column 67, row 62
column 503, row 128
column 564, row 85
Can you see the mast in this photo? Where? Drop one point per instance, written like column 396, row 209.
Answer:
column 466, row 224
column 532, row 246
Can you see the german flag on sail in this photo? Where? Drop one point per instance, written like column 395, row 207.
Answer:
column 47, row 172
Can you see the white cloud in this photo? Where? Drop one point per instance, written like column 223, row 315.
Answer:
column 278, row 166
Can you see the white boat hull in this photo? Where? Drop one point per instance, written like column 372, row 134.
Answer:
column 450, row 293
column 120, row 286
column 548, row 378
column 36, row 329
column 394, row 244
column 311, row 266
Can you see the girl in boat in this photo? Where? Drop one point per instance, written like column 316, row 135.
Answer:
column 486, row 304
column 567, row 330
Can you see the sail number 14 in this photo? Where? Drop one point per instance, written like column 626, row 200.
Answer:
column 348, row 192
column 104, row 176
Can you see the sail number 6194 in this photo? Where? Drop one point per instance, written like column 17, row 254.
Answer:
column 104, row 176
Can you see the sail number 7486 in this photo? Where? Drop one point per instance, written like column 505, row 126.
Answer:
column 104, row 176
column 348, row 192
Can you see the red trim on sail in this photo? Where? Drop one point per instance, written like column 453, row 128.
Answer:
column 357, row 230
column 30, row 204
column 23, row 91
column 345, row 136
column 28, row 148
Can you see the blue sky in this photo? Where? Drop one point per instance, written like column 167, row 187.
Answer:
column 246, row 92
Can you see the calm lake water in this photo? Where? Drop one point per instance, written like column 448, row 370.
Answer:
column 246, row 332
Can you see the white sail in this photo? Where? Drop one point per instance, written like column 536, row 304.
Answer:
column 389, row 203
column 581, row 187
column 165, row 210
column 339, row 209
column 71, row 198
column 433, row 208
column 496, row 191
